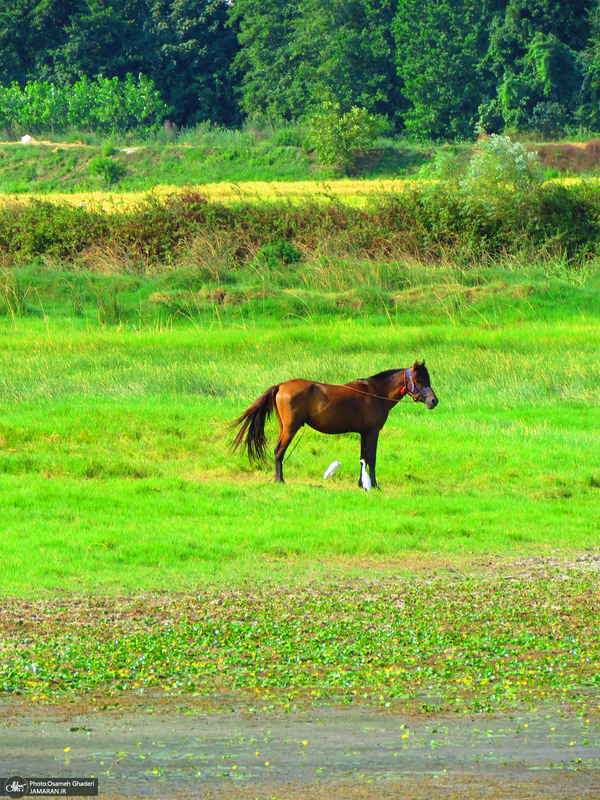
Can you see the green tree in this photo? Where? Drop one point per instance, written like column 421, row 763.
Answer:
column 349, row 53
column 295, row 56
column 271, row 70
column 589, row 110
column 105, row 105
column 441, row 50
column 194, row 49
column 30, row 32
column 104, row 39
column 339, row 138
column 535, row 53
column 184, row 46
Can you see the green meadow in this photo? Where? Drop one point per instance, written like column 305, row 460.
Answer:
column 144, row 562
column 117, row 474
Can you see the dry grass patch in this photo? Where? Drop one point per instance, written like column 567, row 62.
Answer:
column 354, row 191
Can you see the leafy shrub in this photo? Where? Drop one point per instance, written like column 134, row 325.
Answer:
column 289, row 137
column 499, row 163
column 442, row 166
column 424, row 221
column 107, row 167
column 105, row 105
column 278, row 253
column 339, row 138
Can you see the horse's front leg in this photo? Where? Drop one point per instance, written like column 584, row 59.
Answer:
column 368, row 451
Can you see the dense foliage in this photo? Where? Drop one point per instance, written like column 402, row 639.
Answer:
column 435, row 69
column 295, row 56
column 479, row 215
column 104, row 105
column 185, row 47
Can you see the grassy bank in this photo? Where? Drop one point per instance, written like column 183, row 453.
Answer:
column 87, row 162
column 208, row 157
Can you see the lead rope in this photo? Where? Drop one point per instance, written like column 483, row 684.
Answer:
column 287, row 458
column 403, row 391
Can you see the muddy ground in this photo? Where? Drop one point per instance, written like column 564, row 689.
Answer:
column 319, row 752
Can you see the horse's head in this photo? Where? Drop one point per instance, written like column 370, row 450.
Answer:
column 418, row 385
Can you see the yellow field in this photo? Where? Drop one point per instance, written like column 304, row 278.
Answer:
column 351, row 191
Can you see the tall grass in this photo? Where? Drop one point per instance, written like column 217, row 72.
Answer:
column 223, row 278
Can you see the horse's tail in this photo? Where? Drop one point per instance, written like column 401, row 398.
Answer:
column 252, row 432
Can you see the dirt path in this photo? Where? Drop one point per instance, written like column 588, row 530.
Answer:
column 315, row 753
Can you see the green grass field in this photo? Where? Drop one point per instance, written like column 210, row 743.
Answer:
column 117, row 473
column 142, row 562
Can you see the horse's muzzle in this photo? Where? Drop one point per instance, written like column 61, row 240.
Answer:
column 431, row 402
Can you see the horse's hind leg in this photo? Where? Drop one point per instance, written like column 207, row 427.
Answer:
column 285, row 438
column 290, row 423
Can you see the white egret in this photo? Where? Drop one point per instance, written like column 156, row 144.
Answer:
column 331, row 469
column 365, row 481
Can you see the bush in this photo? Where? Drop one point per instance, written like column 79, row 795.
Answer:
column 103, row 105
column 281, row 252
column 424, row 221
column 339, row 138
column 500, row 164
column 443, row 166
column 108, row 168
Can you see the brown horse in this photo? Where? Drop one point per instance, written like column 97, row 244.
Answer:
column 361, row 406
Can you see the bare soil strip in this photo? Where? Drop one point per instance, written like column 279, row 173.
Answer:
column 316, row 753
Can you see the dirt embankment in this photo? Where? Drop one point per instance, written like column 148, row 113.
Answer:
column 571, row 157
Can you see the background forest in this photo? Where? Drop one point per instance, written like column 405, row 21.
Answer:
column 433, row 69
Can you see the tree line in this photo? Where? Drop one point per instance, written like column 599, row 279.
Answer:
column 435, row 69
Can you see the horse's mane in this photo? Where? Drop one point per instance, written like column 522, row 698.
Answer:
column 382, row 376
column 419, row 368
